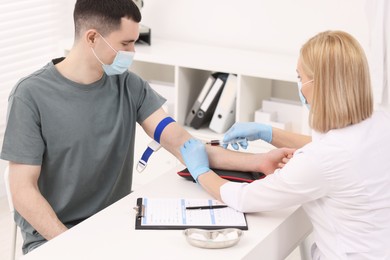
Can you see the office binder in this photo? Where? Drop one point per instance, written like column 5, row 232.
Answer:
column 225, row 112
column 207, row 108
column 202, row 95
column 171, row 213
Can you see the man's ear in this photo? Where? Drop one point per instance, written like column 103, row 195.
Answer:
column 90, row 37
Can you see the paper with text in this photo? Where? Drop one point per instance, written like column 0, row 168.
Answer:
column 172, row 212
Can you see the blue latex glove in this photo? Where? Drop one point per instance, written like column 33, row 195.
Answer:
column 195, row 157
column 250, row 131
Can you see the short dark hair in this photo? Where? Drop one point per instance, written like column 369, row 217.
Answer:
column 103, row 15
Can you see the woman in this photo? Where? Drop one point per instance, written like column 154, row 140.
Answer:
column 342, row 176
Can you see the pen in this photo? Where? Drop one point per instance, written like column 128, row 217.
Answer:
column 220, row 142
column 208, row 207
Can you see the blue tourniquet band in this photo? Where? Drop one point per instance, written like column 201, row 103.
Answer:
column 160, row 128
column 145, row 156
column 155, row 144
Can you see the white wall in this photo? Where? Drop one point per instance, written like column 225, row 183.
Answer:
column 67, row 26
column 3, row 164
column 266, row 25
column 280, row 26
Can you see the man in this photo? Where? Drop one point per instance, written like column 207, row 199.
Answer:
column 71, row 126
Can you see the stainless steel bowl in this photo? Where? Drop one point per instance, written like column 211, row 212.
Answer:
column 219, row 238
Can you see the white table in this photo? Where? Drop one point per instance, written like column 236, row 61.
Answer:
column 111, row 234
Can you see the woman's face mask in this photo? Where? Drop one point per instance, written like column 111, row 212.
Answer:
column 301, row 96
column 121, row 63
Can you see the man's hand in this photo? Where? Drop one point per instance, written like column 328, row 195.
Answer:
column 276, row 159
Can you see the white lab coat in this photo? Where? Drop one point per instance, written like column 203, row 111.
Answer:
column 342, row 180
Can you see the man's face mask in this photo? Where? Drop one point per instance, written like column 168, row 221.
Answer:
column 121, row 63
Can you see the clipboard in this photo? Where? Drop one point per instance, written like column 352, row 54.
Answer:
column 171, row 214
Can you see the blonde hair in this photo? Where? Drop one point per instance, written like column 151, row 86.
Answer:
column 342, row 93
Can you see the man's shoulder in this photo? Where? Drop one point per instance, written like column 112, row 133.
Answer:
column 27, row 83
column 132, row 79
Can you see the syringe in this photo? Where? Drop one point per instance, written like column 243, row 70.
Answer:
column 221, row 142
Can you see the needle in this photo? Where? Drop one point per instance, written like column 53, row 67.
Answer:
column 221, row 143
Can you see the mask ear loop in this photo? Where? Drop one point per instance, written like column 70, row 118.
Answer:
column 94, row 53
column 307, row 82
column 108, row 43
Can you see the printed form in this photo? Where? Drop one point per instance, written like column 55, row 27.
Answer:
column 172, row 212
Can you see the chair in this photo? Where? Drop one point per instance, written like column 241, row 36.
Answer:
column 11, row 208
column 306, row 246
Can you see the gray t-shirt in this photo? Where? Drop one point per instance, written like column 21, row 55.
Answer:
column 82, row 136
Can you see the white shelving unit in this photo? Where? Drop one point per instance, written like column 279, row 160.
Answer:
column 186, row 67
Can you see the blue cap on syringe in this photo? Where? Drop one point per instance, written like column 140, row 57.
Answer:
column 221, row 142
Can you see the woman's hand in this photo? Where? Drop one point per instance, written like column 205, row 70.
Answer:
column 195, row 157
column 251, row 131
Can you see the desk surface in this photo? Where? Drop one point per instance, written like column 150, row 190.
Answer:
column 111, row 234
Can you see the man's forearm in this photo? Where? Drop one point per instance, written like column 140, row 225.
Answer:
column 32, row 206
column 225, row 159
column 212, row 183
